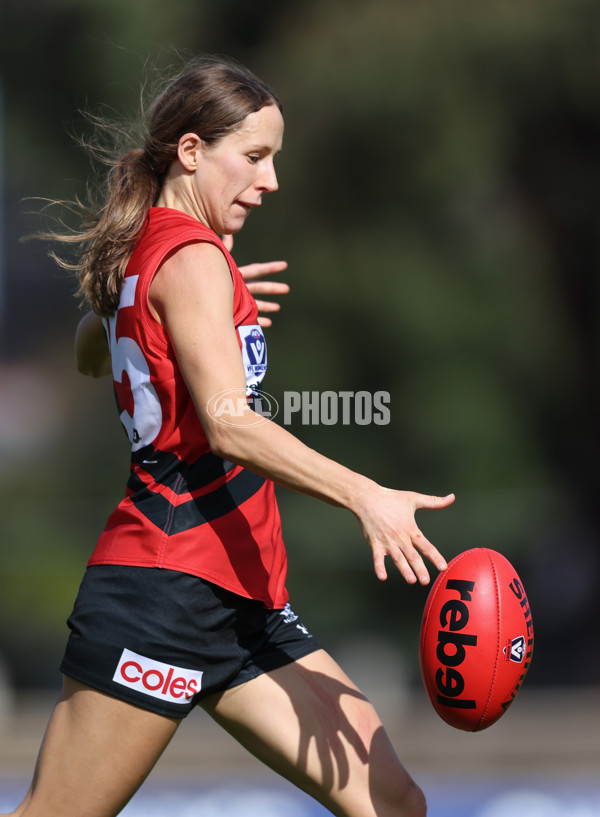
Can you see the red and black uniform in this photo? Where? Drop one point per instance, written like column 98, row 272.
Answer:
column 184, row 594
column 185, row 508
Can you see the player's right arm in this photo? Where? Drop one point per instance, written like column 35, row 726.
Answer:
column 192, row 296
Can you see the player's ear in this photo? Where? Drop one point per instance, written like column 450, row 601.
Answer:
column 189, row 151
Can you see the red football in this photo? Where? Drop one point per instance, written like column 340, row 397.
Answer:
column 476, row 639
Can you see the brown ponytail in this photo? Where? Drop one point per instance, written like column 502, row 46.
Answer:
column 209, row 98
column 109, row 236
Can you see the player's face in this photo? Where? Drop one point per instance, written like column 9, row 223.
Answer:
column 235, row 172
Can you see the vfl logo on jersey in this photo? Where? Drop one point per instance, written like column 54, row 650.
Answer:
column 254, row 352
column 164, row 681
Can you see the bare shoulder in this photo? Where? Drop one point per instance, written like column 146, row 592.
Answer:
column 193, row 273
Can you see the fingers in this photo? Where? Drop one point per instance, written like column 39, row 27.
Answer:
column 379, row 563
column 252, row 271
column 266, row 306
column 432, row 502
column 408, row 561
column 268, row 288
column 423, row 547
column 408, row 547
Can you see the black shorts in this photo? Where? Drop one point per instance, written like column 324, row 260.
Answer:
column 162, row 640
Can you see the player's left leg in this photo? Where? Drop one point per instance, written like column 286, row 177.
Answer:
column 312, row 725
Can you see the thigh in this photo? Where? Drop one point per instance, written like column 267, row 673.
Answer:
column 312, row 725
column 96, row 753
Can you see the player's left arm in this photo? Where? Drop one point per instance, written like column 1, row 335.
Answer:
column 92, row 354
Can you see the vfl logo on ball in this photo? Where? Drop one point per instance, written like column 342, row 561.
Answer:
column 515, row 649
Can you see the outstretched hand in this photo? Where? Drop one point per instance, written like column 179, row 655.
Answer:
column 251, row 273
column 387, row 519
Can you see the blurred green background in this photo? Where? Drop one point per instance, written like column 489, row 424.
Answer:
column 438, row 207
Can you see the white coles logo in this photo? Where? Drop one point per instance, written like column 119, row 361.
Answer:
column 155, row 678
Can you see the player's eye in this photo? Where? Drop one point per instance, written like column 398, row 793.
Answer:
column 253, row 158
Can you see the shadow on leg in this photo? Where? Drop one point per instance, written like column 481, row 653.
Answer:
column 311, row 724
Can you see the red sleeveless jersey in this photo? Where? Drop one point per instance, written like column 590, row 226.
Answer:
column 185, row 508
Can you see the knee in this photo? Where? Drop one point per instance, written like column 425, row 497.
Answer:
column 415, row 804
column 408, row 800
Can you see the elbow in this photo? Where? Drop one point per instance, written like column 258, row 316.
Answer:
column 86, row 370
column 91, row 368
column 220, row 446
column 90, row 372
column 223, row 442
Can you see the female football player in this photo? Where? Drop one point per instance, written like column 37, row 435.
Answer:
column 184, row 599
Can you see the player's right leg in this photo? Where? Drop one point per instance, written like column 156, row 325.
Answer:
column 96, row 753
